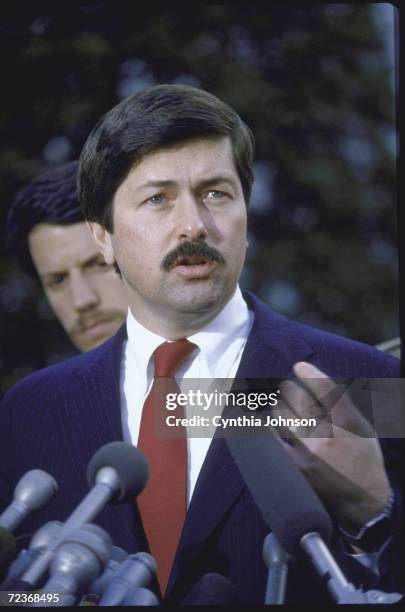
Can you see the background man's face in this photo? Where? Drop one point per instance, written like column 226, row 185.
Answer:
column 87, row 296
column 186, row 194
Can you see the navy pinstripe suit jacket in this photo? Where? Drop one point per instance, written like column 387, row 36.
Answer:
column 58, row 417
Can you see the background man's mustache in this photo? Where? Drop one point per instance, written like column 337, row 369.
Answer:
column 192, row 249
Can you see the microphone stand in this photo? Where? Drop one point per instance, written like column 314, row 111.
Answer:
column 277, row 560
column 341, row 590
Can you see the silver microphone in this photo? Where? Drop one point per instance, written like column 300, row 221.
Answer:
column 32, row 492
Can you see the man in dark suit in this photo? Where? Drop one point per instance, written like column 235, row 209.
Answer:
column 165, row 179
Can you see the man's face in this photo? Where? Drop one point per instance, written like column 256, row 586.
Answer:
column 86, row 294
column 179, row 235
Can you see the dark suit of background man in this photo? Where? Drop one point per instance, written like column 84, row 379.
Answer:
column 165, row 179
column 47, row 233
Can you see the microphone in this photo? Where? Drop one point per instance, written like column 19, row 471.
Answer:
column 39, row 540
column 137, row 571
column 32, row 492
column 117, row 473
column 18, row 567
column 45, row 534
column 8, row 549
column 117, row 557
column 77, row 562
column 277, row 561
column 287, row 502
column 212, row 589
column 293, row 511
column 140, row 597
column 98, row 586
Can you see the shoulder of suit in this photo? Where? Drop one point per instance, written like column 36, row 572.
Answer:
column 55, row 380
column 361, row 358
column 348, row 349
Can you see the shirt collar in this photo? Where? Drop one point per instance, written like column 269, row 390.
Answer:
column 230, row 324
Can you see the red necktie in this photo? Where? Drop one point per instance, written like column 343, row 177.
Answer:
column 163, row 502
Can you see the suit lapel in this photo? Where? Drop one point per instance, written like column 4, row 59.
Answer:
column 90, row 416
column 273, row 346
column 90, row 411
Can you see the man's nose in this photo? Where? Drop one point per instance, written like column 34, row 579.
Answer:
column 83, row 294
column 191, row 219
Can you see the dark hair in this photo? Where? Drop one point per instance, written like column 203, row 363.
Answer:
column 144, row 122
column 50, row 198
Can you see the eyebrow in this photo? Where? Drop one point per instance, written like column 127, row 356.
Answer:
column 86, row 262
column 213, row 180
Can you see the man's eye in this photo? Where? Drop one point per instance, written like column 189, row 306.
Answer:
column 97, row 266
column 55, row 282
column 159, row 198
column 215, row 194
column 100, row 263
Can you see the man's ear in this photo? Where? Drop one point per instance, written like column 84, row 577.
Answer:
column 102, row 239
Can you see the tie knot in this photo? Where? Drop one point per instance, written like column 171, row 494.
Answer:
column 170, row 355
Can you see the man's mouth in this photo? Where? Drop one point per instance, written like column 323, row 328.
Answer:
column 193, row 260
column 90, row 324
column 194, row 266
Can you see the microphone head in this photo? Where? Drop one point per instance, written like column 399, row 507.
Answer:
column 137, row 570
column 35, row 489
column 283, row 495
column 137, row 564
column 74, row 560
column 212, row 589
column 273, row 552
column 94, row 538
column 129, row 464
column 45, row 534
column 146, row 559
column 118, row 555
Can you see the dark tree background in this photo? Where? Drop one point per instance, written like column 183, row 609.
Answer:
column 316, row 83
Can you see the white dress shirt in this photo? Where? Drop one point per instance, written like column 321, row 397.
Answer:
column 220, row 346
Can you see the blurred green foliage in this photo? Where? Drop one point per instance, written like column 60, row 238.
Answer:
column 315, row 84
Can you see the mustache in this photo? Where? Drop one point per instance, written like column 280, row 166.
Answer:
column 192, row 249
column 96, row 317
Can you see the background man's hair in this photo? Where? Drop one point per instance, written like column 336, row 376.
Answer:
column 50, row 198
column 146, row 121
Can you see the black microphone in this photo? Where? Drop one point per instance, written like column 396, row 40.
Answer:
column 8, row 549
column 212, row 589
column 292, row 510
column 286, row 500
column 117, row 473
column 32, row 492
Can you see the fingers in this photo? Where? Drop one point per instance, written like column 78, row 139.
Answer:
column 300, row 416
column 298, row 452
column 333, row 398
